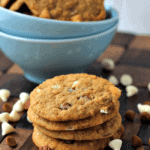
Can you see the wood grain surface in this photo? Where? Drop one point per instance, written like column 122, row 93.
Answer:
column 132, row 56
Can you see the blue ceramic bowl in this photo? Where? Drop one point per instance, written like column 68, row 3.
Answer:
column 33, row 27
column 43, row 59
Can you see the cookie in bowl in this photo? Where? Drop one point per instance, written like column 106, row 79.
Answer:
column 66, row 10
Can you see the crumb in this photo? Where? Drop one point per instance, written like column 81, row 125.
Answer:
column 136, row 141
column 130, row 114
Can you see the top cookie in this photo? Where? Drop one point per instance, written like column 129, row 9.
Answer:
column 68, row 10
column 73, row 97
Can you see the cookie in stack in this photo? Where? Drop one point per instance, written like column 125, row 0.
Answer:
column 75, row 112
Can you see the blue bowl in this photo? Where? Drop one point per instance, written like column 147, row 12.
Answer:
column 43, row 59
column 22, row 25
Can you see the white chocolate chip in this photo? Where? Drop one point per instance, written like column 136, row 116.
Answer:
column 14, row 116
column 70, row 128
column 148, row 86
column 143, row 108
column 4, row 94
column 38, row 90
column 56, row 86
column 24, row 97
column 70, row 90
column 74, row 83
column 18, row 106
column 131, row 90
column 103, row 111
column 7, row 128
column 115, row 144
column 29, row 120
column 108, row 64
column 113, row 80
column 126, row 80
column 4, row 117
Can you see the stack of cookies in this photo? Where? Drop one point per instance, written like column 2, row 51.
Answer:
column 75, row 112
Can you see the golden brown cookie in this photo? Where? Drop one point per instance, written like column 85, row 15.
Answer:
column 40, row 139
column 73, row 97
column 11, row 4
column 68, row 10
column 74, row 125
column 101, row 131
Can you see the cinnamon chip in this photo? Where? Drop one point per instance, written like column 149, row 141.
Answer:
column 11, row 141
column 147, row 103
column 136, row 141
column 44, row 147
column 129, row 115
column 144, row 117
column 7, row 108
column 26, row 105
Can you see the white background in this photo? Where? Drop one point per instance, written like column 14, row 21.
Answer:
column 134, row 15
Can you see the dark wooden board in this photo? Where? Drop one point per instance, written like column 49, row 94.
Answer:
column 129, row 56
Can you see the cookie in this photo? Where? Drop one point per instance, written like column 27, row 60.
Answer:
column 73, row 97
column 68, row 10
column 11, row 4
column 101, row 131
column 74, row 125
column 40, row 140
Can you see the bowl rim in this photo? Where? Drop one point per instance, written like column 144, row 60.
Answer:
column 46, row 41
column 112, row 9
